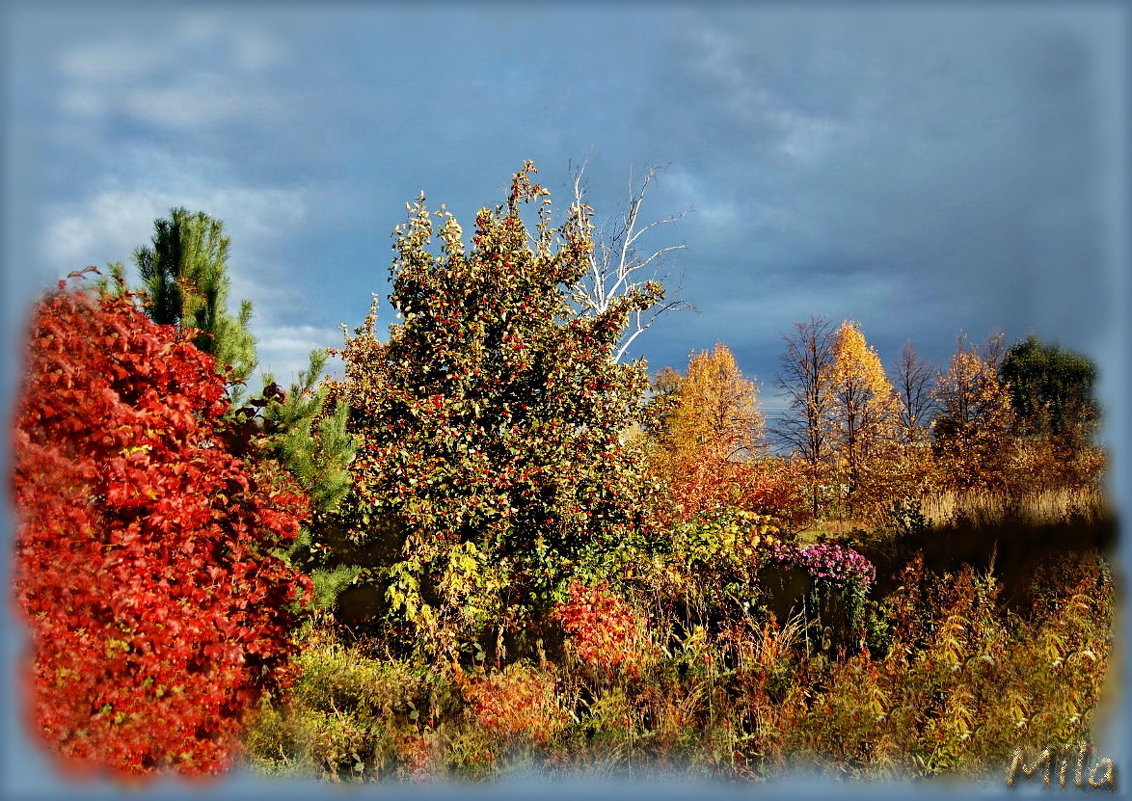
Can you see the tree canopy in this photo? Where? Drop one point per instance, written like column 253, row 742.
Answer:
column 185, row 271
column 490, row 460
column 863, row 409
column 972, row 432
column 1051, row 389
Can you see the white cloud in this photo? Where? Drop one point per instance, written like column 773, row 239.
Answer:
column 717, row 214
column 108, row 224
column 204, row 100
column 110, row 60
column 807, row 138
column 801, row 136
column 284, row 350
column 156, row 76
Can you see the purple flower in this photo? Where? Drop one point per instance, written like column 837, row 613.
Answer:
column 833, row 564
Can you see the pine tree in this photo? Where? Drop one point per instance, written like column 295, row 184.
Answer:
column 1056, row 414
column 312, row 440
column 304, row 430
column 185, row 272
column 1051, row 390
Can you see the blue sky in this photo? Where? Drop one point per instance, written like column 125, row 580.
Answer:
column 921, row 170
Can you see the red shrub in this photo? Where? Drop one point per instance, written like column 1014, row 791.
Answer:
column 518, row 702
column 603, row 630
column 158, row 615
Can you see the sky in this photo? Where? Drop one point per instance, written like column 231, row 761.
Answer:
column 922, row 170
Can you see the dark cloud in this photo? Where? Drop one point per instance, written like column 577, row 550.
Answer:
column 935, row 161
column 920, row 171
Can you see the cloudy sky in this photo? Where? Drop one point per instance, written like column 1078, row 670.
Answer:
column 922, row 171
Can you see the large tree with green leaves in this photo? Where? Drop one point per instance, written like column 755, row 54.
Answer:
column 1051, row 390
column 185, row 272
column 490, row 464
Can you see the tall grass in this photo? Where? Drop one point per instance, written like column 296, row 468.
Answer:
column 988, row 508
column 943, row 680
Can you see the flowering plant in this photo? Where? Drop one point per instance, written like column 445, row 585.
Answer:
column 833, row 565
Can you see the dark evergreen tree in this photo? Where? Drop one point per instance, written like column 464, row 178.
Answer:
column 185, row 271
column 1051, row 390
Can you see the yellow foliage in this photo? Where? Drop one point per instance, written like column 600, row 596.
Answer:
column 973, row 430
column 863, row 411
column 716, row 414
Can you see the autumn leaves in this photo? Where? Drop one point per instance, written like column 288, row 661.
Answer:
column 851, row 442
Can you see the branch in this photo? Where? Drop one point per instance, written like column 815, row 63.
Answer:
column 616, row 269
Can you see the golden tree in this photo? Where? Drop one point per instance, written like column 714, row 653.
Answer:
column 972, row 433
column 862, row 415
column 709, row 439
column 716, row 413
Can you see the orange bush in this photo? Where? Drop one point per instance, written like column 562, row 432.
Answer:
column 602, row 630
column 516, row 703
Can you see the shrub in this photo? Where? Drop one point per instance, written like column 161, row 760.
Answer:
column 488, row 427
column 832, row 569
column 354, row 716
column 603, row 631
column 144, row 549
column 516, row 705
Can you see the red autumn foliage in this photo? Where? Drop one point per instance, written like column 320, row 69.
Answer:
column 602, row 630
column 158, row 615
column 765, row 486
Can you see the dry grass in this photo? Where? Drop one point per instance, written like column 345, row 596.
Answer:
column 984, row 508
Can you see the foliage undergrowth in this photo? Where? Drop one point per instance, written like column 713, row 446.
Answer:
column 938, row 678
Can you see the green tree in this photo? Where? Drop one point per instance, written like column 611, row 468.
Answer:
column 1051, row 390
column 490, row 466
column 185, row 271
column 304, row 430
